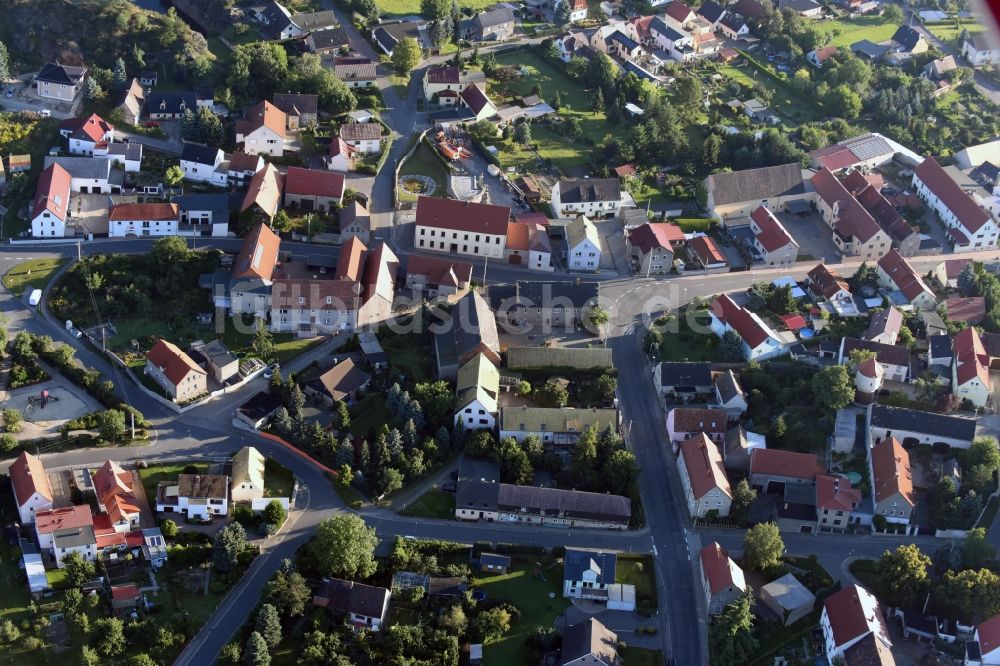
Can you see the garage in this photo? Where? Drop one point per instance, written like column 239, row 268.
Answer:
column 621, row 597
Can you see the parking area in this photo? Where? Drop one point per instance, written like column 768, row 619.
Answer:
column 814, row 237
column 90, row 214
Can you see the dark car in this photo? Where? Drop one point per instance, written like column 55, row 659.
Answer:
column 454, row 474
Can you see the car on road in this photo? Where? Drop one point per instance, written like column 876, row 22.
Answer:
column 448, row 487
column 270, row 370
column 35, row 298
column 10, row 91
column 45, row 113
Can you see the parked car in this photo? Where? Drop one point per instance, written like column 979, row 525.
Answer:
column 45, row 113
column 151, row 123
column 271, row 369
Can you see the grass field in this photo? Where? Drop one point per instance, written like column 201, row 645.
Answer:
column 423, row 163
column 433, row 504
column 636, row 656
column 845, row 32
column 32, row 274
column 411, row 356
column 786, row 102
column 531, row 596
column 951, row 31
column 575, row 103
column 286, row 345
column 687, row 345
column 278, row 480
column 638, row 571
column 369, row 413
column 412, row 7
column 136, row 329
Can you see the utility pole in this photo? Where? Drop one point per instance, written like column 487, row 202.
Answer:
column 132, row 414
column 79, row 251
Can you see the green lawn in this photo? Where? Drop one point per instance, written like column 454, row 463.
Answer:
column 286, row 345
column 137, row 329
column 864, row 571
column 57, row 578
column 639, row 571
column 687, row 345
column 575, row 103
column 369, row 414
column 154, row 474
column 278, row 480
column 848, row 31
column 636, row 656
column 423, row 163
column 433, row 504
column 531, row 596
column 785, row 101
column 412, row 7
column 950, row 32
column 31, row 274
column 409, row 355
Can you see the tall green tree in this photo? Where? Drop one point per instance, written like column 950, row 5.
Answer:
column 762, row 547
column 109, row 633
column 344, row 546
column 229, row 543
column 255, row 652
column 287, row 591
column 263, row 341
column 730, row 637
column 258, row 69
column 406, row 56
column 78, row 570
column 743, row 498
column 4, row 62
column 268, row 625
column 901, row 575
column 833, row 387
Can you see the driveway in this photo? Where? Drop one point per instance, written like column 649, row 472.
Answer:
column 813, row 236
column 623, row 623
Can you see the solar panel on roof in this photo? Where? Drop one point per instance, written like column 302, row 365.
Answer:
column 869, row 146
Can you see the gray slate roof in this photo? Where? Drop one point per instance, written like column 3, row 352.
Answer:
column 681, row 373
column 940, row 425
column 589, row 189
column 755, row 184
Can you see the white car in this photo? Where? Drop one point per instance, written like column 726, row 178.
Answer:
column 45, row 113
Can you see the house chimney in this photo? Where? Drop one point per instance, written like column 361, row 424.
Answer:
column 836, row 486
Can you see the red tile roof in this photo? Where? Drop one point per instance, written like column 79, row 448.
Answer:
column 475, row 98
column 361, row 131
column 717, row 566
column 989, row 634
column 678, row 11
column 92, row 128
column 903, row 275
column 741, row 321
column 462, row 215
column 852, row 218
column 854, row 612
column 706, row 250
column 312, row 182
column 64, row 518
column 772, row 462
column 125, row 592
column 773, row 235
column 625, row 170
column 52, row 192
column 440, row 271
column 517, row 236
column 258, row 254
column 793, row 322
column 836, row 493
column 891, row 469
column 343, row 294
column 699, row 419
column 650, row 236
column 174, row 363
column 239, row 161
column 339, row 147
column 28, row 477
column 870, row 368
column 822, row 54
column 442, row 74
column 144, row 211
column 971, row 358
column 971, row 309
column 703, row 463
column 352, row 255
column 266, row 115
column 825, row 282
column 265, row 190
column 937, row 180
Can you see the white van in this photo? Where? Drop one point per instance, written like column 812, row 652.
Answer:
column 35, row 298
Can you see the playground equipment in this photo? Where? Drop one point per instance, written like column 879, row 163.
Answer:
column 41, row 399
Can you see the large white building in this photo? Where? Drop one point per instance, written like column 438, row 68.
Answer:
column 583, row 245
column 851, row 617
column 461, row 227
column 32, row 490
column 50, row 208
column 197, row 496
column 594, row 197
column 143, row 219
column 969, row 226
column 703, row 477
column 204, row 164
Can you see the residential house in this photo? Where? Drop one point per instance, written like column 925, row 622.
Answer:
column 494, row 563
column 712, row 12
column 387, row 35
column 683, row 380
column 443, row 83
column 249, row 287
column 197, row 496
column 804, row 8
column 365, row 606
column 651, row 247
column 984, row 648
column 126, row 155
column 836, row 500
column 473, row 97
column 170, row 105
column 205, row 212
column 970, row 310
column 591, row 197
column 60, row 82
column 970, row 378
column 914, row 427
column 703, row 477
column 884, row 326
column 946, row 273
column 528, row 245
column 313, row 190
column 125, row 598
column 327, row 41
column 969, row 226
column 50, row 521
column 588, row 573
column 342, row 382
column 550, row 305
column 50, row 207
column 979, row 51
column 558, row 428
column 536, row 505
column 773, row 469
column 436, row 276
column 729, row 395
column 774, row 245
column 818, row 57
column 672, row 39
column 131, row 101
column 378, row 285
column 18, row 164
column 705, row 254
column 176, row 372
column 894, row 360
column 759, row 342
column 896, row 273
column 855, row 231
column 340, row 157
column 864, row 152
column 243, row 167
column 215, row 357
column 892, row 480
column 355, row 222
column 574, row 45
column 589, row 643
column 204, row 164
column 89, row 175
column 905, row 43
column 264, row 193
column 492, row 25
column 578, row 10
column 130, row 220
column 620, row 45
column 738, row 193
column 356, row 75
column 852, row 617
column 71, row 540
column 733, row 25
column 472, row 330
column 583, row 245
column 262, row 130
column 248, row 475
column 937, row 70
column 114, row 489
column 789, row 599
column 300, row 109
column 86, row 134
column 476, row 392
column 461, row 227
column 721, row 578
column 32, row 491
column 362, row 137
column 825, row 283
